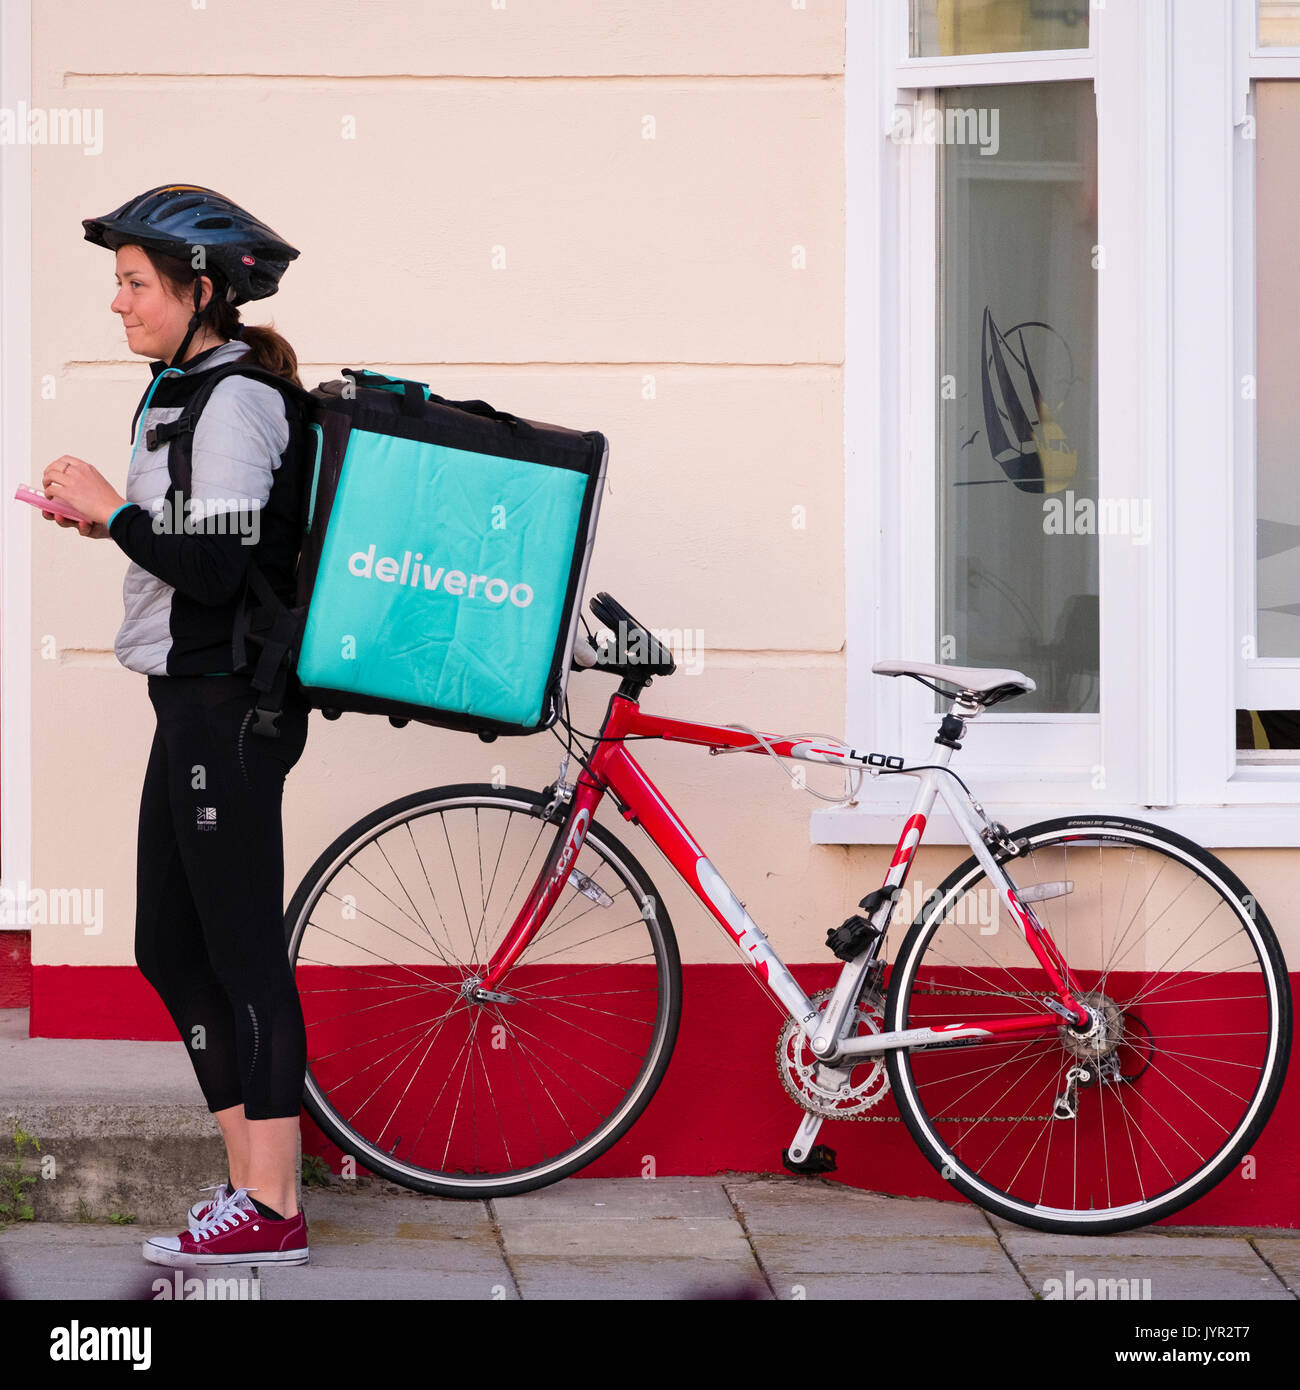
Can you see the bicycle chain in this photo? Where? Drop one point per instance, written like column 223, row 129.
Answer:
column 951, row 1119
column 988, row 993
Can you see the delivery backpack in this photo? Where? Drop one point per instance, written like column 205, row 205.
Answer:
column 445, row 548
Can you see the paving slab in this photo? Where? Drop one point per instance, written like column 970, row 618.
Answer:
column 781, row 1255
column 69, row 1259
column 619, row 1199
column 1283, row 1253
column 1138, row 1245
column 801, row 1207
column 651, row 1237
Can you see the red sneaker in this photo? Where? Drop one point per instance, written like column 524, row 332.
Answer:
column 235, row 1233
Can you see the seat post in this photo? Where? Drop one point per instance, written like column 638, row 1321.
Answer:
column 953, row 726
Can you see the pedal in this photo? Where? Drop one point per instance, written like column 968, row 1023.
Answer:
column 821, row 1159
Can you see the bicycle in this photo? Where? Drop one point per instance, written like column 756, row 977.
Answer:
column 1095, row 1060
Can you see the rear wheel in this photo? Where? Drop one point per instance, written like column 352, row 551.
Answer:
column 1193, row 1030
column 438, row 1091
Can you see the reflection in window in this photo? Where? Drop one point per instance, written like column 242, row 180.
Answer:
column 1268, row 729
column 945, row 28
column 1018, row 513
column 1279, row 23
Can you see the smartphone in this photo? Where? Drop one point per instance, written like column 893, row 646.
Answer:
column 47, row 504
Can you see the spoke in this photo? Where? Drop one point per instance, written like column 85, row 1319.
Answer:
column 496, row 868
column 419, row 921
column 1151, row 926
column 455, row 868
column 433, row 897
column 364, row 1009
column 356, row 945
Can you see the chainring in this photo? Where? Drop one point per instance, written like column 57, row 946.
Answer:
column 797, row 1065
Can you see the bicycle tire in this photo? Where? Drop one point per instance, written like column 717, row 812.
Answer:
column 1145, row 1076
column 323, row 1097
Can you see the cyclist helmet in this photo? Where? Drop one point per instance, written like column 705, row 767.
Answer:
column 177, row 217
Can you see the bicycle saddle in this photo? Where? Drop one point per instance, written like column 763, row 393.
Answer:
column 988, row 685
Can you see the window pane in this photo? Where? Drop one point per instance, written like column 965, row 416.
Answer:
column 1279, row 23
column 1277, row 407
column 1017, row 469
column 1277, row 369
column 944, row 28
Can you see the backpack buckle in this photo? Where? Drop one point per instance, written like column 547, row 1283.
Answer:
column 267, row 723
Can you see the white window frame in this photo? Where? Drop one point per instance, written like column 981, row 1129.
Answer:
column 1214, row 343
column 15, row 449
column 1166, row 393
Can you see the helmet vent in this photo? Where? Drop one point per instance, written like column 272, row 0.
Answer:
column 214, row 223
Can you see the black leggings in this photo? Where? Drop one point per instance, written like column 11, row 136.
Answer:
column 210, row 890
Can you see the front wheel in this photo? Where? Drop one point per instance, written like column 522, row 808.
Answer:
column 428, row 1085
column 1193, row 1008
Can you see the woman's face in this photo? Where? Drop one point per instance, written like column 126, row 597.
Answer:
column 155, row 321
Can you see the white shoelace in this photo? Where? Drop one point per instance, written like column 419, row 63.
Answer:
column 226, row 1211
column 213, row 1204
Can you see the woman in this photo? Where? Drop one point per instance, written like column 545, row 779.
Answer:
column 209, row 893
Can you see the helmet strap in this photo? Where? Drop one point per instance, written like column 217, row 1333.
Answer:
column 195, row 320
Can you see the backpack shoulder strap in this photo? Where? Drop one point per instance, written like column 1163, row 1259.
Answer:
column 180, row 459
column 278, row 647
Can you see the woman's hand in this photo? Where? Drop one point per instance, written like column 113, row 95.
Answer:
column 81, row 485
column 96, row 530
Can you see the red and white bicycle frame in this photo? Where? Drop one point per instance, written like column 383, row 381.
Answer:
column 613, row 769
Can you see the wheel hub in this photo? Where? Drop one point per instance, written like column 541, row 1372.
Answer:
column 472, row 990
column 1104, row 1036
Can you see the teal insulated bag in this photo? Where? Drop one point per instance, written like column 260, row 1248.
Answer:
column 445, row 548
column 444, row 558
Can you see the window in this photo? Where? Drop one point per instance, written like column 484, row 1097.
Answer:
column 1016, row 474
column 1279, row 23
column 944, row 28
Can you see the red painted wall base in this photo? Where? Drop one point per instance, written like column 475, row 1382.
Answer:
column 15, row 969
column 721, row 1107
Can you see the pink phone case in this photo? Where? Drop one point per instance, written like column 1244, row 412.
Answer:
column 47, row 504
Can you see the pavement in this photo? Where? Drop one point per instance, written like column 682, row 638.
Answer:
column 124, row 1135
column 727, row 1237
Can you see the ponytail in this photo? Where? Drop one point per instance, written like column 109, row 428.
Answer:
column 267, row 349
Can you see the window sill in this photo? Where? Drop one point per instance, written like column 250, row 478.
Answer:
column 1258, row 826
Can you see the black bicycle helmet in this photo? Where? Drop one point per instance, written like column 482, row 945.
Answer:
column 177, row 217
